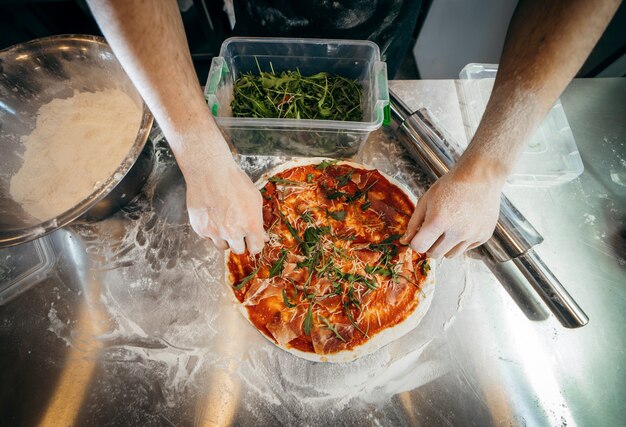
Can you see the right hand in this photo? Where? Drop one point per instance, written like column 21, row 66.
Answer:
column 459, row 212
column 225, row 206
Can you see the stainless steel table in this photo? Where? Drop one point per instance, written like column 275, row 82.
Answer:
column 131, row 324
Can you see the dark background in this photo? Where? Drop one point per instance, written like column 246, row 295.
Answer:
column 206, row 25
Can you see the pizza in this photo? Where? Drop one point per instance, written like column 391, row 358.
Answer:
column 333, row 283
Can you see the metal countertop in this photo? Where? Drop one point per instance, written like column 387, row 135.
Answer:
column 130, row 325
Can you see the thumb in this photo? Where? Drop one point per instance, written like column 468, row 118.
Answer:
column 427, row 234
column 414, row 223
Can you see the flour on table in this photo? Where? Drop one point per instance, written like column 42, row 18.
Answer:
column 76, row 144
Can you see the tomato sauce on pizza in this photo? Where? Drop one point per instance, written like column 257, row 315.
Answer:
column 333, row 273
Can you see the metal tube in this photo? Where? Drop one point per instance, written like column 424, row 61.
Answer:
column 514, row 236
column 551, row 291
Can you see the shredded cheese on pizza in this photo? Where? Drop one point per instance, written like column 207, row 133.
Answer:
column 333, row 273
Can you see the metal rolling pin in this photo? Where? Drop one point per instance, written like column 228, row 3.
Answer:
column 514, row 236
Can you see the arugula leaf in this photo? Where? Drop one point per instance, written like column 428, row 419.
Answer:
column 325, row 164
column 328, row 266
column 312, row 237
column 387, row 248
column 356, row 278
column 246, row 279
column 309, row 177
column 331, row 327
column 349, row 237
column 309, row 262
column 338, row 215
column 277, row 268
column 335, row 195
column 263, row 190
column 308, row 320
column 358, row 193
column 394, row 271
column 352, row 299
column 365, row 206
column 389, row 240
column 293, row 283
column 385, row 243
column 351, row 319
column 286, row 300
column 343, row 180
column 425, row 267
column 279, row 180
column 367, row 282
column 290, row 227
column 341, row 252
column 369, row 187
column 337, row 288
column 356, row 196
column 307, row 217
column 380, row 270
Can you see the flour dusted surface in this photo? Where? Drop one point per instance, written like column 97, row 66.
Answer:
column 77, row 143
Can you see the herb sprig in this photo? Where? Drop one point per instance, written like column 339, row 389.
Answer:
column 308, row 320
column 331, row 327
column 286, row 300
column 277, row 268
column 324, row 164
column 338, row 215
column 283, row 181
column 290, row 95
column 246, row 279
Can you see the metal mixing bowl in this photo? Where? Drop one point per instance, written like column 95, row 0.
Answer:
column 33, row 74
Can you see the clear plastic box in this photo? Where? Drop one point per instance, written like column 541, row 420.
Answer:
column 551, row 156
column 23, row 266
column 355, row 59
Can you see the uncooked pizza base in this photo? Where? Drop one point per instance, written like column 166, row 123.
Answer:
column 381, row 338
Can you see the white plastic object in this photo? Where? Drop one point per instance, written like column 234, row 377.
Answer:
column 23, row 266
column 551, row 156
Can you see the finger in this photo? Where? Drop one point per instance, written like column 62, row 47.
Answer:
column 457, row 250
column 414, row 223
column 220, row 244
column 254, row 244
column 237, row 245
column 474, row 245
column 200, row 225
column 442, row 246
column 426, row 236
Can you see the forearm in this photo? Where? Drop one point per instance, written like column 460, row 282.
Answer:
column 546, row 45
column 148, row 39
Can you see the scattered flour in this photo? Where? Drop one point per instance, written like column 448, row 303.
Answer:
column 57, row 326
column 169, row 322
column 76, row 143
column 589, row 219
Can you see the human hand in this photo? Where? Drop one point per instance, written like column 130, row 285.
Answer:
column 225, row 206
column 456, row 214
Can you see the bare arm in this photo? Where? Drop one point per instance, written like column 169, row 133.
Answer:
column 148, row 39
column 547, row 43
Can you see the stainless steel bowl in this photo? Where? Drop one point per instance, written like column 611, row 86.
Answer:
column 33, row 74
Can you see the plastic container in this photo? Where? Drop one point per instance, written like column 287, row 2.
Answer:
column 23, row 266
column 551, row 156
column 353, row 59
